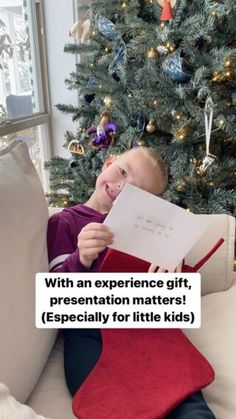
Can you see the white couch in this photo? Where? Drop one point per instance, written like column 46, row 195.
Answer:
column 31, row 360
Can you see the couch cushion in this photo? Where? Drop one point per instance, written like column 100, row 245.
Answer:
column 23, row 250
column 51, row 396
column 220, row 265
column 216, row 339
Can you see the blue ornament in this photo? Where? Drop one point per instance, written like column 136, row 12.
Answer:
column 173, row 67
column 108, row 29
column 117, row 67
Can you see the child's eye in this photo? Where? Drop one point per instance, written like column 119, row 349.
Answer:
column 122, row 172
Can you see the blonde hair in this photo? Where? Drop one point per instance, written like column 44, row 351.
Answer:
column 159, row 163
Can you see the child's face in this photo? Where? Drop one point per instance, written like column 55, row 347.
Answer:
column 135, row 167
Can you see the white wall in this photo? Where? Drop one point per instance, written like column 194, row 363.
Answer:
column 59, row 17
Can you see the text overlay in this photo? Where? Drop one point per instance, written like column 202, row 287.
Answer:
column 118, row 300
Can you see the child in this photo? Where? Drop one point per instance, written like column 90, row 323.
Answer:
column 77, row 242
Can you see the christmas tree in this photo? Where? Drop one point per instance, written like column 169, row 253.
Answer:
column 160, row 74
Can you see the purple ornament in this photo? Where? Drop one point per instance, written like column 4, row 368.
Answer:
column 102, row 135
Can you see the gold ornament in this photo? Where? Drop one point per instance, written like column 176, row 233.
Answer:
column 152, row 53
column 75, row 147
column 151, row 126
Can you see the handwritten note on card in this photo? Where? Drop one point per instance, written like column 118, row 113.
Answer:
column 153, row 229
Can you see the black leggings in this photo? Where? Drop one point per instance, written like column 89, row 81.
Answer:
column 82, row 349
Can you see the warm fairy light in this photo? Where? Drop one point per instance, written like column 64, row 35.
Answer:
column 178, row 116
column 227, row 63
column 91, row 65
column 221, row 122
column 100, row 86
column 181, row 133
column 107, row 101
column 170, row 46
column 211, row 183
column 152, row 53
column 106, row 49
column 65, row 202
column 155, row 103
column 93, row 33
column 124, row 5
column 162, row 25
column 213, row 12
column 129, row 95
column 228, row 74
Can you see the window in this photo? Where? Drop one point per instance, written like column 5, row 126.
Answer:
column 23, row 81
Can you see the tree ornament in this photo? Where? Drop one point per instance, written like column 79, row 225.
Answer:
column 167, row 12
column 75, row 147
column 174, row 66
column 102, row 135
column 209, row 158
column 151, row 126
column 80, row 30
column 152, row 53
column 108, row 29
column 117, row 66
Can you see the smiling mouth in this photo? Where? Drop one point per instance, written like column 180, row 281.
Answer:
column 110, row 192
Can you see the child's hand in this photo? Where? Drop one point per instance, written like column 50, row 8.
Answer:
column 158, row 269
column 92, row 240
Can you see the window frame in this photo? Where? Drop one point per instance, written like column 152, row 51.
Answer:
column 10, row 126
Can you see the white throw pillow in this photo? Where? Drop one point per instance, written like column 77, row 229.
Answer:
column 23, row 253
column 10, row 408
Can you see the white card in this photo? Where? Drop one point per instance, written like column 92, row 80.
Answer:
column 153, row 229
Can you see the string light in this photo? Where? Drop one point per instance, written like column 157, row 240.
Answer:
column 181, row 133
column 107, row 101
column 124, row 5
column 152, row 53
column 162, row 25
column 228, row 74
column 227, row 63
column 106, row 49
column 170, row 46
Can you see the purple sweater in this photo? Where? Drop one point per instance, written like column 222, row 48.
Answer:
column 63, row 229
